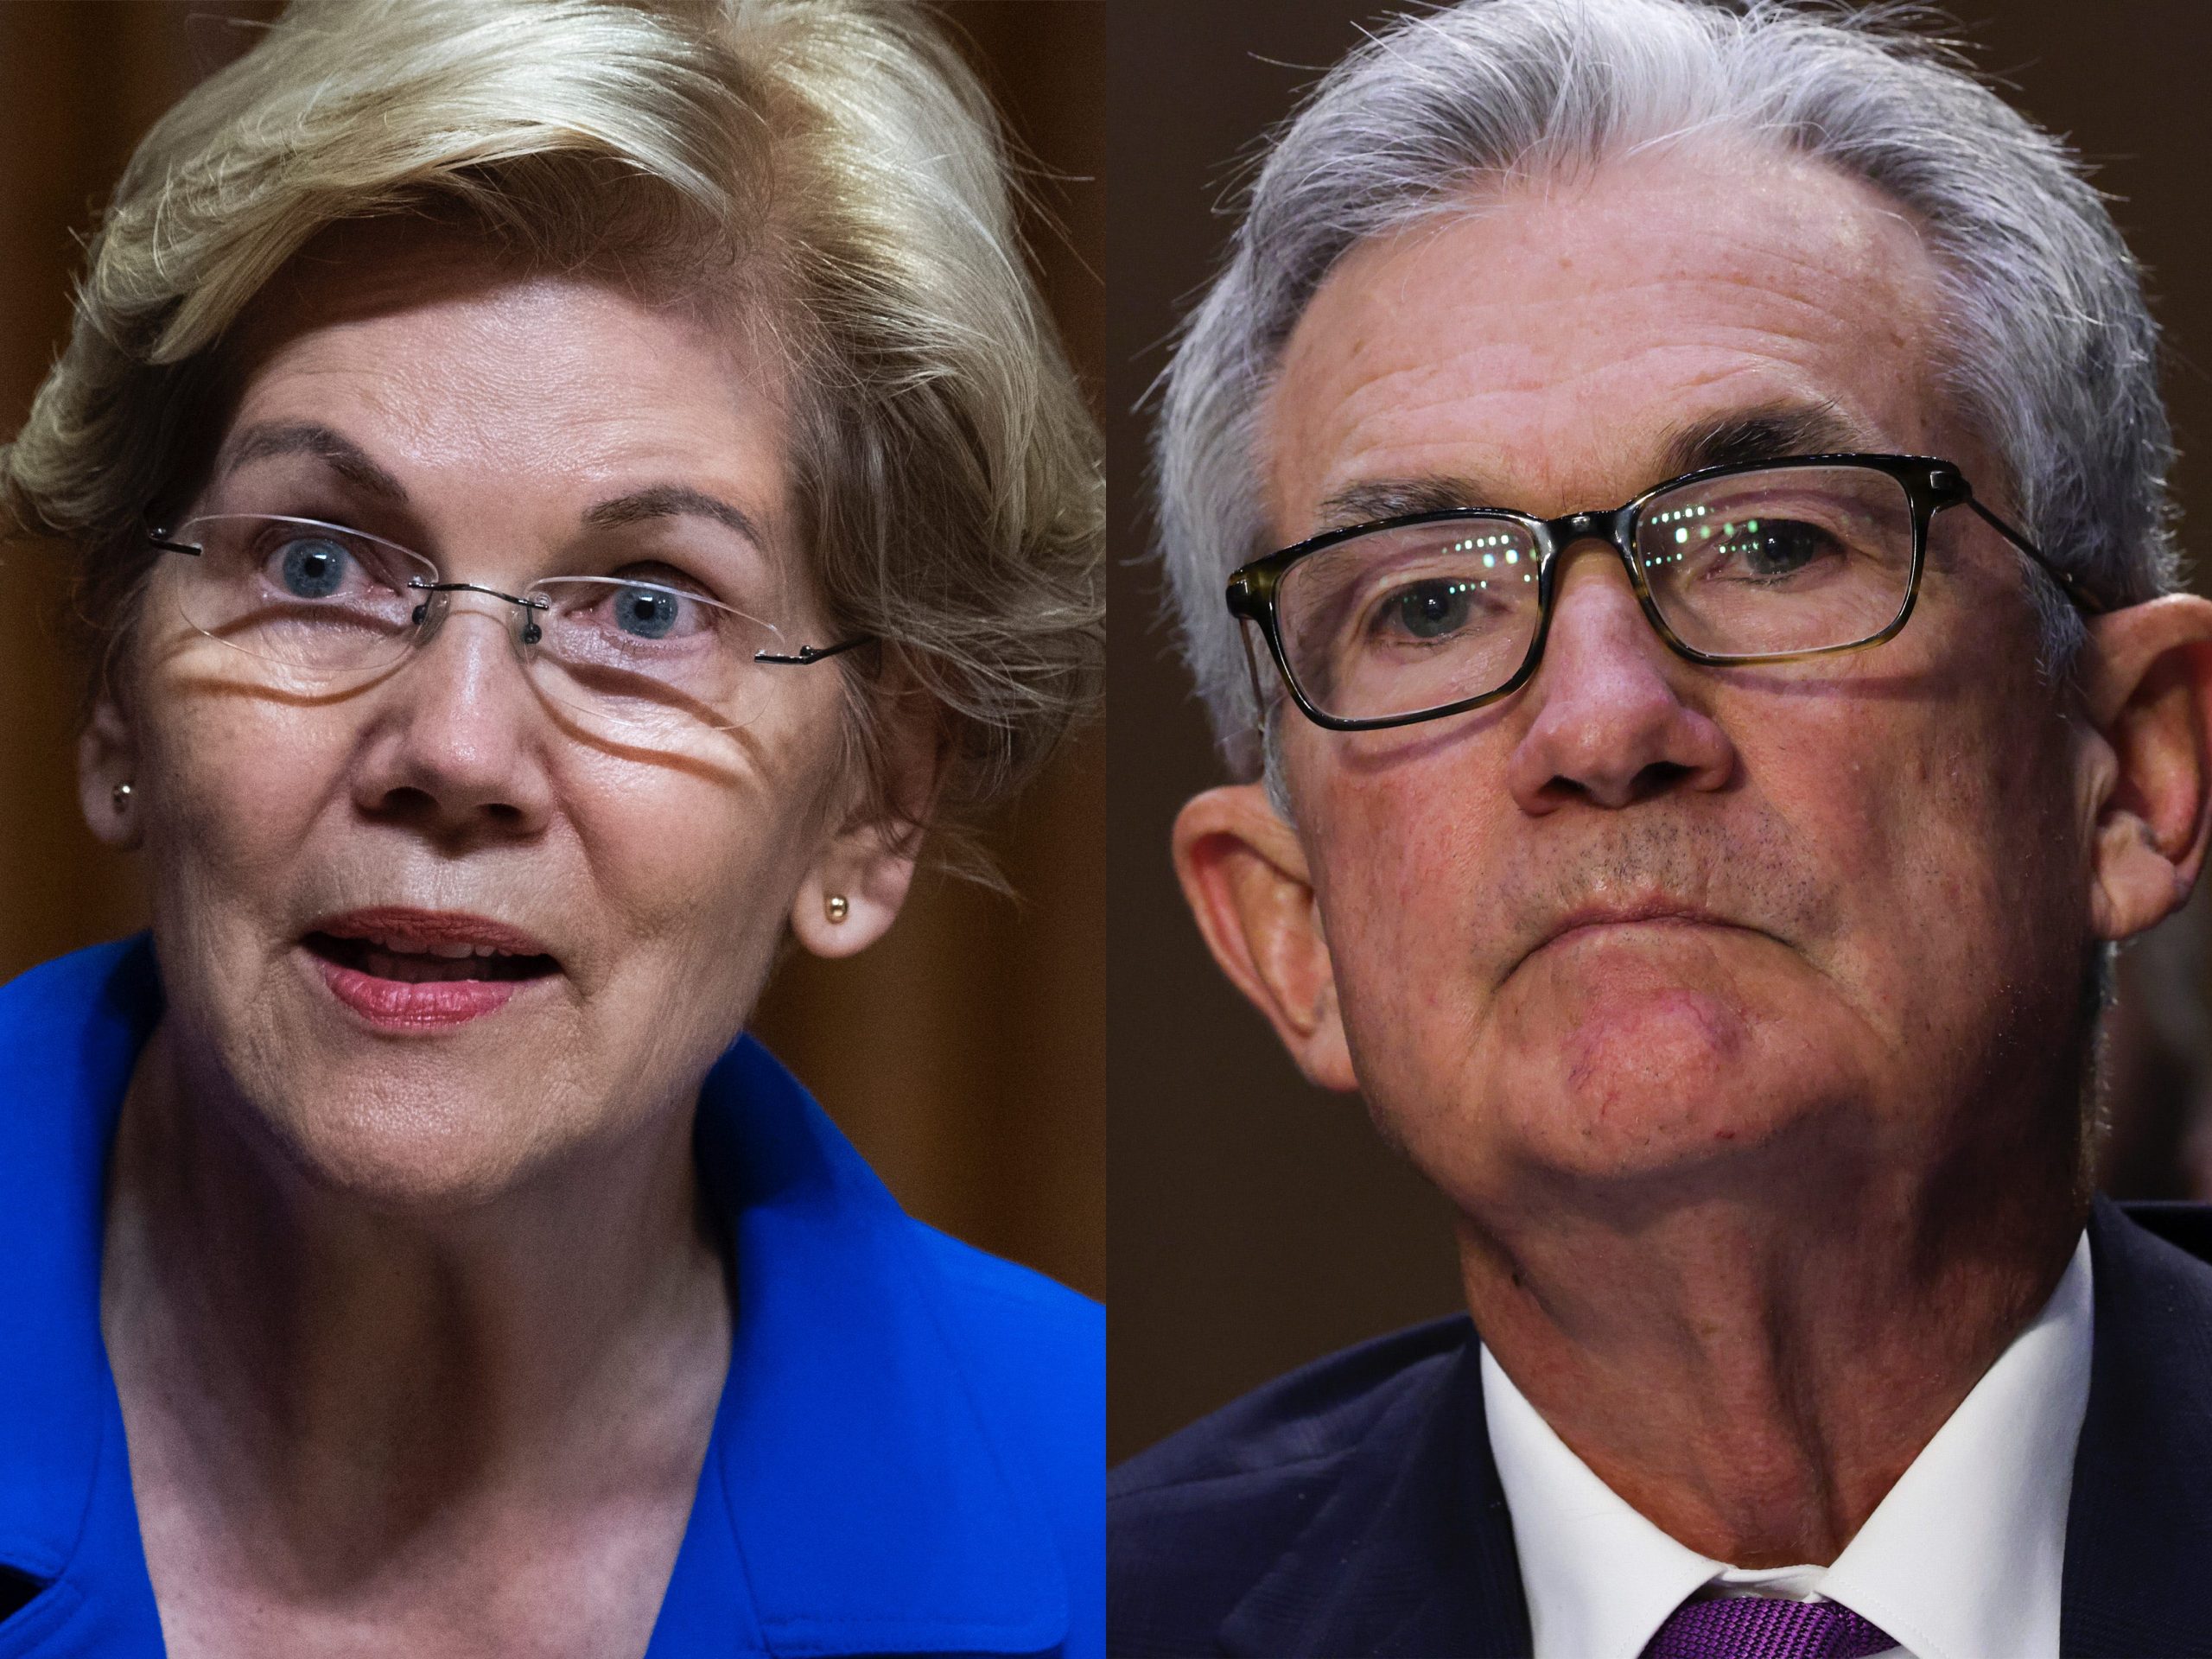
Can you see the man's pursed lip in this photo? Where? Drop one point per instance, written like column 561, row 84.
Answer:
column 1594, row 918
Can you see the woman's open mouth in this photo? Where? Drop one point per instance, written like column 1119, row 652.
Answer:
column 421, row 967
column 407, row 969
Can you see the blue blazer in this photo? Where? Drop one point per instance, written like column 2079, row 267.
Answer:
column 907, row 1458
column 1352, row 1508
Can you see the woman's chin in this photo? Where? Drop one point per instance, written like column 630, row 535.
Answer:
column 408, row 1144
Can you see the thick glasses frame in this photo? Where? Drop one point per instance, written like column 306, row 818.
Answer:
column 1930, row 485
column 157, row 535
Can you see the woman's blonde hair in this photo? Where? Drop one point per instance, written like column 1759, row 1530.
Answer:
column 828, row 168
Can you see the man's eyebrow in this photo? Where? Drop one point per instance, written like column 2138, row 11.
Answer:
column 670, row 501
column 1773, row 433
column 1398, row 498
column 344, row 456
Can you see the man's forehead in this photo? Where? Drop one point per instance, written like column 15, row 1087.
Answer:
column 1563, row 347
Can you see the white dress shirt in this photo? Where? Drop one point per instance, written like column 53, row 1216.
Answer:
column 1960, row 1560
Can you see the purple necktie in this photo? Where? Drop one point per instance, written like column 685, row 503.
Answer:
column 1759, row 1627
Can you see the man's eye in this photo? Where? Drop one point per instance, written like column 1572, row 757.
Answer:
column 311, row 567
column 1773, row 550
column 1429, row 610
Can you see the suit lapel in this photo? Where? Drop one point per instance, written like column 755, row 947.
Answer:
column 1412, row 1551
column 2138, row 1531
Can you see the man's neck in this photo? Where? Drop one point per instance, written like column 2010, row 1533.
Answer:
column 1752, row 1372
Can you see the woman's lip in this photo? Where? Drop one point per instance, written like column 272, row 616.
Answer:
column 396, row 1005
column 407, row 929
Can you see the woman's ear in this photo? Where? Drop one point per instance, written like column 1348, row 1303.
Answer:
column 107, row 776
column 859, row 881
column 2148, row 684
column 855, row 892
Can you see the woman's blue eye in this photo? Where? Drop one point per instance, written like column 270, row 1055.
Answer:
column 647, row 613
column 313, row 570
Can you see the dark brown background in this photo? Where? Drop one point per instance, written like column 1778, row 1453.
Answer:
column 1258, row 1223
column 966, row 1053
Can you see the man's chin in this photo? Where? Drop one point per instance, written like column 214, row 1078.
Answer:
column 1642, row 1081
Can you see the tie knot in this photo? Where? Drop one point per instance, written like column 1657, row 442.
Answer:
column 1758, row 1627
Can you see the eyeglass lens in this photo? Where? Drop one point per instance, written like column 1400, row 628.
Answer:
column 313, row 603
column 1408, row 618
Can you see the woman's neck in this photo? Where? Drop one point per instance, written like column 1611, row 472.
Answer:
column 324, row 1392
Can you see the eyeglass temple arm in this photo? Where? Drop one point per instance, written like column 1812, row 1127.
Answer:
column 1259, row 692
column 1248, row 604
column 806, row 654
column 2076, row 589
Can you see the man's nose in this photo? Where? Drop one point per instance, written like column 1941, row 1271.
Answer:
column 1608, row 724
column 456, row 744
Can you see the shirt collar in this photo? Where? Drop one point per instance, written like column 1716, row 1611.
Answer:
column 1960, row 1559
column 854, row 1496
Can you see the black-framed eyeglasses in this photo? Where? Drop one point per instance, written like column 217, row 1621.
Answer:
column 309, row 605
column 1431, row 614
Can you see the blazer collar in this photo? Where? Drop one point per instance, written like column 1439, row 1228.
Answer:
column 852, row 1489
column 1411, row 1553
column 69, row 1034
column 2139, row 1527
column 872, row 1511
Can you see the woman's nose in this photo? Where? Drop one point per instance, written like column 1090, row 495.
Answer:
column 1609, row 724
column 458, row 740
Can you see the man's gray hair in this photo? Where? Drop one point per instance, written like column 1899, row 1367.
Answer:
column 2051, row 355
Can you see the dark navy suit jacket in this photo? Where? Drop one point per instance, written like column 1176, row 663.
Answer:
column 1352, row 1507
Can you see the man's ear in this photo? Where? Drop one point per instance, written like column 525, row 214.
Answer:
column 2148, row 684
column 107, row 758
column 1244, row 875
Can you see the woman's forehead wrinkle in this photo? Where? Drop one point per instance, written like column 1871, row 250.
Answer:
column 605, row 411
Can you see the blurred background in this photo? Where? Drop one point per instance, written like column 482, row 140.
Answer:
column 1259, row 1223
column 966, row 1053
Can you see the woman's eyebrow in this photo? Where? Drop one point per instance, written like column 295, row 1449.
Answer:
column 351, row 461
column 669, row 501
column 346, row 458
